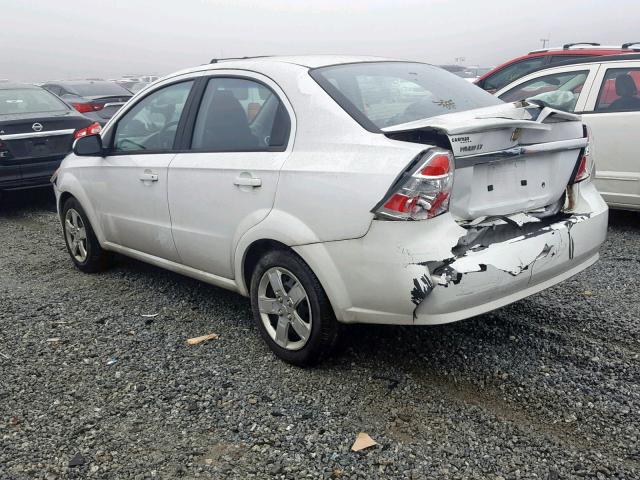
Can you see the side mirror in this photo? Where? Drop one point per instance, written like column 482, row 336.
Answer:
column 89, row 146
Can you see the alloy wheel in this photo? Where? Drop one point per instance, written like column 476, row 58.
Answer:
column 76, row 235
column 284, row 308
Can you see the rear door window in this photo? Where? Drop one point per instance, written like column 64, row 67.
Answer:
column 239, row 114
column 619, row 91
column 558, row 90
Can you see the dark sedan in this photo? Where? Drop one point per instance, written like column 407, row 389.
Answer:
column 96, row 99
column 37, row 130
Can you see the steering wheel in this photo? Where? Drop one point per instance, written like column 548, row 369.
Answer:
column 159, row 136
column 124, row 141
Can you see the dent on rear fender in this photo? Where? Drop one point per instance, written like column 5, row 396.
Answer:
column 451, row 271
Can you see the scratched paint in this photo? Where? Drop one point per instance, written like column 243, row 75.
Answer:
column 499, row 244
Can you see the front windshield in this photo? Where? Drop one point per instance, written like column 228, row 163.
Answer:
column 382, row 94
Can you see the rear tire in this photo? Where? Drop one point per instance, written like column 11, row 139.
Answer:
column 291, row 309
column 82, row 245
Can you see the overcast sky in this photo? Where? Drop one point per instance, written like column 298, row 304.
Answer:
column 52, row 39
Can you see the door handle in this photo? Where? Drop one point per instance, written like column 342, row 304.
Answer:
column 247, row 182
column 149, row 177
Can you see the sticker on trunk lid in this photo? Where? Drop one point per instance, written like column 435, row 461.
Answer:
column 481, row 142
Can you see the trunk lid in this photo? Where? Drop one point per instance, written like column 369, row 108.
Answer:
column 23, row 123
column 509, row 158
column 111, row 104
column 33, row 136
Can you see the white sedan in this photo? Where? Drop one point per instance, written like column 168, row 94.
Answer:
column 605, row 92
column 336, row 190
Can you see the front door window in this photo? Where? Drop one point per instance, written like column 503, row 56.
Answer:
column 151, row 125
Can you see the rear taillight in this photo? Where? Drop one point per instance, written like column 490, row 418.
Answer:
column 583, row 171
column 88, row 107
column 92, row 129
column 423, row 191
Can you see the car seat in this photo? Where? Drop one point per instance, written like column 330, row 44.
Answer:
column 226, row 126
column 626, row 90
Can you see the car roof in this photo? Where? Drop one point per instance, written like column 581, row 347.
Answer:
column 587, row 52
column 13, row 86
column 572, row 48
column 302, row 61
column 586, row 60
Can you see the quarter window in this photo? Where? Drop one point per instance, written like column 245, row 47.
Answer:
column 152, row 123
column 559, row 90
column 238, row 114
column 619, row 91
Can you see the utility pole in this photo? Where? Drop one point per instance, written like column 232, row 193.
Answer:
column 545, row 42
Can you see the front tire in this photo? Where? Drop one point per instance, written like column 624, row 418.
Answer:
column 291, row 309
column 82, row 244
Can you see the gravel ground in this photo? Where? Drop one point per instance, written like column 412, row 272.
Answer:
column 90, row 388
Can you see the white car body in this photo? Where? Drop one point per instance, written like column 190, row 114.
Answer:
column 316, row 198
column 618, row 161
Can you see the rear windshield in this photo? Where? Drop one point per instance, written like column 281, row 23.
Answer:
column 93, row 89
column 29, row 100
column 382, row 94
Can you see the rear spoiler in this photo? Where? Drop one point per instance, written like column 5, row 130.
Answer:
column 493, row 134
column 526, row 115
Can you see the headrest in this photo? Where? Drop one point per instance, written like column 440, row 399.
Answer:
column 625, row 86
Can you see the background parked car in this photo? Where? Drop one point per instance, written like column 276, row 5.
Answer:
column 605, row 91
column 518, row 67
column 470, row 73
column 36, row 133
column 135, row 83
column 96, row 99
column 137, row 86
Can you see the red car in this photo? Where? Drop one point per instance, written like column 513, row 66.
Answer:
column 518, row 67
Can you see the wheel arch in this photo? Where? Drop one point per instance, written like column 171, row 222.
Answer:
column 70, row 187
column 319, row 261
column 64, row 196
column 252, row 256
column 259, row 248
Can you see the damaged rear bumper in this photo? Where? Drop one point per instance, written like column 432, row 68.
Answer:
column 492, row 274
column 437, row 271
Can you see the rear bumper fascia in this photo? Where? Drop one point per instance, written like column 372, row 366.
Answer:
column 415, row 273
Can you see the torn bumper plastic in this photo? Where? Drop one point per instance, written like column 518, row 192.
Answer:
column 436, row 271
column 483, row 278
